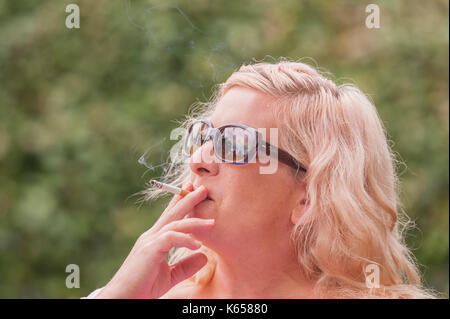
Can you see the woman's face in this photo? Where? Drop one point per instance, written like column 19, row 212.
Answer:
column 250, row 208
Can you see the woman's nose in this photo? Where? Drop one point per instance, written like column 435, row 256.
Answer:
column 203, row 161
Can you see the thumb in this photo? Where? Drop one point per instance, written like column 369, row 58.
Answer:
column 186, row 267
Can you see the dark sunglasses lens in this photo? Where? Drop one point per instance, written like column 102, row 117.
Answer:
column 196, row 137
column 235, row 144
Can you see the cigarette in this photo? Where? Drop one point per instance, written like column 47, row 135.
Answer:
column 169, row 188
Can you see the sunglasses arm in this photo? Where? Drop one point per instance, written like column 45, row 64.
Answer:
column 281, row 156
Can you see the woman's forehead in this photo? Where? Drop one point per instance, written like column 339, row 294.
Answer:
column 246, row 106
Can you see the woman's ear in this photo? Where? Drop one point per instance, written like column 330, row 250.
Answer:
column 298, row 210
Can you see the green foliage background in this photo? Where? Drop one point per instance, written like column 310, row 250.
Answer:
column 79, row 106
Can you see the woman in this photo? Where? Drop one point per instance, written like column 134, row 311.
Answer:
column 324, row 224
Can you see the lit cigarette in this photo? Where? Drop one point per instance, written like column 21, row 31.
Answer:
column 169, row 188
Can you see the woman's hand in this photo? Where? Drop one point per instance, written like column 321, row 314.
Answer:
column 145, row 273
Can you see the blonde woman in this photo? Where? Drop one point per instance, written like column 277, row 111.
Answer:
column 316, row 227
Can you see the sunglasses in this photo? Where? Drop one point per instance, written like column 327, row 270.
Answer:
column 234, row 143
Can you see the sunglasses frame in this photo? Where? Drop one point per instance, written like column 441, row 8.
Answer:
column 216, row 133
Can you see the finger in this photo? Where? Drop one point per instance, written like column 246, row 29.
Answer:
column 176, row 198
column 186, row 267
column 171, row 239
column 183, row 206
column 190, row 225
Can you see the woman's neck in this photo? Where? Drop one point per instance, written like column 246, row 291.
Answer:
column 253, row 278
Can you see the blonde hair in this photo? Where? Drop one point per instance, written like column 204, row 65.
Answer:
column 351, row 184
